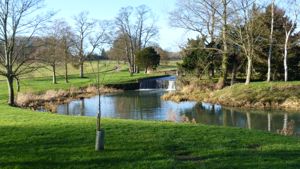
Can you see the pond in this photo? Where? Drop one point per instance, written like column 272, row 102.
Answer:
column 148, row 105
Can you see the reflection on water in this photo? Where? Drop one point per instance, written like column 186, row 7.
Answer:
column 142, row 105
column 147, row 105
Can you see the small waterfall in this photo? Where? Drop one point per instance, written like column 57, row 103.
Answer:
column 171, row 85
column 167, row 83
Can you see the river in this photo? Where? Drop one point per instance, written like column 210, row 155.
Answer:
column 148, row 105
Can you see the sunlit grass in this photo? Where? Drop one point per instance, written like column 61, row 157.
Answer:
column 42, row 140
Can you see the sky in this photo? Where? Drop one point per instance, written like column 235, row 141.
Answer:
column 169, row 38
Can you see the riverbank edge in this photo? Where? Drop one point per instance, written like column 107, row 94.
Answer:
column 50, row 99
column 259, row 95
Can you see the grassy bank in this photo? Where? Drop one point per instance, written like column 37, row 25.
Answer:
column 41, row 140
column 285, row 95
column 277, row 95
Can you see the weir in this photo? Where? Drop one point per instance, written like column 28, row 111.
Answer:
column 167, row 83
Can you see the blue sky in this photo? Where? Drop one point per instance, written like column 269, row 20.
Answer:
column 170, row 37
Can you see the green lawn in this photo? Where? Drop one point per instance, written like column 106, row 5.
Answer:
column 42, row 140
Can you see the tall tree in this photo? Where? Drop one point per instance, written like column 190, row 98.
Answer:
column 208, row 18
column 90, row 34
column 68, row 45
column 19, row 23
column 289, row 26
column 83, row 28
column 137, row 28
column 118, row 50
column 49, row 53
column 249, row 31
column 55, row 48
column 271, row 42
column 225, row 16
column 278, row 39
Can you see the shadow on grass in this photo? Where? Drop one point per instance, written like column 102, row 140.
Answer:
column 64, row 142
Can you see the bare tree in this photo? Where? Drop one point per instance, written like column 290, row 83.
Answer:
column 248, row 32
column 199, row 16
column 118, row 49
column 271, row 42
column 49, row 53
column 83, row 29
column 292, row 10
column 125, row 30
column 19, row 23
column 136, row 35
column 66, row 41
column 90, row 34
column 208, row 18
column 224, row 15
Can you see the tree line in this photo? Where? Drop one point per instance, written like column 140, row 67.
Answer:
column 253, row 40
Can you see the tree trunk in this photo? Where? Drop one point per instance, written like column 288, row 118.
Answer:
column 81, row 69
column 223, row 77
column 132, row 64
column 271, row 42
column 233, row 74
column 212, row 71
column 146, row 70
column 18, row 84
column 66, row 72
column 131, row 69
column 54, row 74
column 249, row 67
column 11, row 94
column 287, row 37
column 285, row 61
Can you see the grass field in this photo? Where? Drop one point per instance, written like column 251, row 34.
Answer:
column 42, row 140
column 91, row 67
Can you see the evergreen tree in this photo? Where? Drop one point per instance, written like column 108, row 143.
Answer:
column 147, row 58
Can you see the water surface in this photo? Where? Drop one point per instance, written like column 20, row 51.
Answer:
column 148, row 105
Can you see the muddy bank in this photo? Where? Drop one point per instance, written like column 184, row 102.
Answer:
column 51, row 98
column 260, row 95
